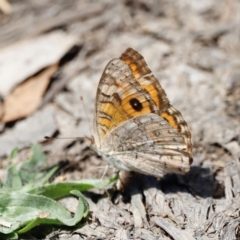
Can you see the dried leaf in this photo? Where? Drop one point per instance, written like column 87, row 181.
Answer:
column 25, row 99
column 5, row 6
column 23, row 59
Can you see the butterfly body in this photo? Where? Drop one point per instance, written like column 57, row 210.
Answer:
column 135, row 127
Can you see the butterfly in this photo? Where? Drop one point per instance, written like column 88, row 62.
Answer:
column 135, row 127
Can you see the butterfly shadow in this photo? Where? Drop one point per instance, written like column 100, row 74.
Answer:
column 198, row 182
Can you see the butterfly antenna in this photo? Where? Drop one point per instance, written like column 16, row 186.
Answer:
column 76, row 138
column 88, row 119
column 105, row 171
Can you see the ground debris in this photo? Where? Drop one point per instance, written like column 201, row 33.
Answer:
column 192, row 47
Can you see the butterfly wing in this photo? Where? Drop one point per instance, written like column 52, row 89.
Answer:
column 146, row 144
column 119, row 98
column 149, row 83
column 135, row 126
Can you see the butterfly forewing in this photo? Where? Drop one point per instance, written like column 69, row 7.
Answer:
column 119, row 98
column 150, row 83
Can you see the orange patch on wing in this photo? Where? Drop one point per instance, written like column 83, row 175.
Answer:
column 118, row 118
column 153, row 92
column 107, row 108
column 170, row 120
column 127, row 61
column 136, row 74
column 105, row 122
column 133, row 66
column 127, row 107
column 134, row 69
column 116, row 113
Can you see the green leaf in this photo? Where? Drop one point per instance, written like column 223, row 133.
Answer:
column 27, row 201
column 29, row 170
column 13, row 179
column 29, row 173
column 61, row 189
column 13, row 153
column 12, row 235
column 25, row 211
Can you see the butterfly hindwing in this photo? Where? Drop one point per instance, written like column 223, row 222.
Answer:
column 147, row 140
